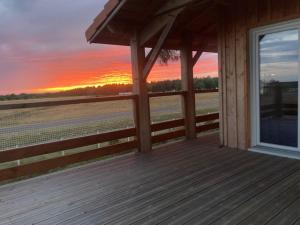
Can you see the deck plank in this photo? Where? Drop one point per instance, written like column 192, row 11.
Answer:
column 92, row 173
column 198, row 162
column 206, row 213
column 155, row 195
column 240, row 212
column 118, row 180
column 190, row 182
column 211, row 196
column 288, row 216
column 269, row 210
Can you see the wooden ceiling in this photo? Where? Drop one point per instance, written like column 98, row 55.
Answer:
column 120, row 18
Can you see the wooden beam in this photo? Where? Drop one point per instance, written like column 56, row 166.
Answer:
column 156, row 25
column 91, row 34
column 65, row 102
column 224, row 2
column 156, row 50
column 206, row 91
column 177, row 4
column 141, row 106
column 167, row 93
column 170, row 9
column 207, row 127
column 167, row 125
column 188, row 86
column 207, row 118
column 196, row 57
column 153, row 28
column 54, row 163
column 168, row 136
column 47, row 148
column 148, row 55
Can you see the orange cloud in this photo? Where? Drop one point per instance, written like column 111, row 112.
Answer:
column 55, row 71
column 43, row 48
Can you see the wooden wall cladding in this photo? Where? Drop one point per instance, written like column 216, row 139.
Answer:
column 235, row 21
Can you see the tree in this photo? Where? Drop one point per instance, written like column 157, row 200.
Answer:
column 168, row 55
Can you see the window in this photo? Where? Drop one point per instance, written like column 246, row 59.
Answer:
column 274, row 85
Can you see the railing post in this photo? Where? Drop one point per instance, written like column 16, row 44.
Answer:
column 137, row 120
column 188, row 86
column 141, row 107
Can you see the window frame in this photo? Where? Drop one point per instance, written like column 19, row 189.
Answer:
column 254, row 35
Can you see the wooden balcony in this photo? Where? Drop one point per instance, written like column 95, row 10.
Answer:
column 189, row 182
column 61, row 151
column 186, row 182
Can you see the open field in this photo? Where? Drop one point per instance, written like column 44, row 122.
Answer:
column 36, row 125
column 22, row 127
column 99, row 111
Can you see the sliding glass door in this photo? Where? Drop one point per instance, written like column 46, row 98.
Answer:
column 275, row 75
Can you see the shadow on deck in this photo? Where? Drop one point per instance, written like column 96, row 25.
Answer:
column 191, row 182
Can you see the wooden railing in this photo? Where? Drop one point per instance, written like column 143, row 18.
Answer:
column 211, row 118
column 278, row 110
column 208, row 122
column 67, row 102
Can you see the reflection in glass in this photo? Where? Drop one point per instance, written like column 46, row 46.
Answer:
column 279, row 53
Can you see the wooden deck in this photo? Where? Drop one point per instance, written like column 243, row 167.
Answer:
column 191, row 182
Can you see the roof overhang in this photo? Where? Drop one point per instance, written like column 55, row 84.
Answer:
column 120, row 18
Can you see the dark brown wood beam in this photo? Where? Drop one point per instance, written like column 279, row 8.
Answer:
column 177, row 4
column 141, row 106
column 118, row 7
column 196, row 57
column 156, row 50
column 188, row 105
column 156, row 25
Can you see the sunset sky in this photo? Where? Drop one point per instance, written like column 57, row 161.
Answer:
column 43, row 48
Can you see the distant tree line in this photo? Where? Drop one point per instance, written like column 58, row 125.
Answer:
column 175, row 85
column 115, row 89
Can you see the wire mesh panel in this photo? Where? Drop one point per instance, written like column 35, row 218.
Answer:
column 207, row 108
column 31, row 126
column 166, row 108
column 207, row 103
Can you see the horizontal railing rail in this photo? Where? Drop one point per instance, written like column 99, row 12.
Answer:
column 208, row 117
column 66, row 102
column 163, row 94
column 282, row 105
column 161, row 132
column 207, row 127
column 49, row 164
column 167, row 125
column 47, row 148
column 212, row 118
column 206, row 91
column 284, row 109
column 168, row 136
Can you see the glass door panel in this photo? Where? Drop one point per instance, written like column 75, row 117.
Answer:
column 278, row 87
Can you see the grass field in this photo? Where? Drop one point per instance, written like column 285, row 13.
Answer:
column 24, row 127
column 204, row 103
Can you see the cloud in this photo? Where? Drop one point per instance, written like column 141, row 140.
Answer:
column 42, row 45
column 46, row 25
column 279, row 56
column 279, row 47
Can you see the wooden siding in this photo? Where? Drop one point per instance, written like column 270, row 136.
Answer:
column 236, row 20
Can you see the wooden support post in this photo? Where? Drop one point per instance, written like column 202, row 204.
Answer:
column 188, row 86
column 196, row 57
column 141, row 107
